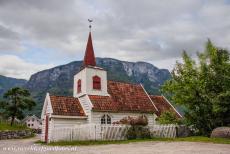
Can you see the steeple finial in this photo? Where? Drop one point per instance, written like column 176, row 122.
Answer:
column 89, row 59
column 90, row 26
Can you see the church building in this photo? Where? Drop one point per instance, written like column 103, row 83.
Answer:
column 96, row 100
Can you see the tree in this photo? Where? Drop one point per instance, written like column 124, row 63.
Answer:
column 202, row 88
column 16, row 100
column 168, row 117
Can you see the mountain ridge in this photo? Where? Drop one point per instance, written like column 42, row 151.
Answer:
column 59, row 79
column 9, row 82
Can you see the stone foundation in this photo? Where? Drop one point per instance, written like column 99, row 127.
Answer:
column 15, row 134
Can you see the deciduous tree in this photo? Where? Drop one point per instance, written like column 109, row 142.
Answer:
column 202, row 88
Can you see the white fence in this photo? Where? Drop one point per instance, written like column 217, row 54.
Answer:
column 163, row 131
column 90, row 132
column 106, row 132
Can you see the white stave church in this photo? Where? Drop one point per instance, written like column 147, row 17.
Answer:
column 99, row 101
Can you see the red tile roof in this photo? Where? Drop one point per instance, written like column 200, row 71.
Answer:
column 124, row 97
column 89, row 59
column 67, row 106
column 163, row 105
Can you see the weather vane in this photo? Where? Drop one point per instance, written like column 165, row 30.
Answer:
column 90, row 20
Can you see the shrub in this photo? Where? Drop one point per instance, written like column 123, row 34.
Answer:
column 141, row 120
column 168, row 118
column 138, row 132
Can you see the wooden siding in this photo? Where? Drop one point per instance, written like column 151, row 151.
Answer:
column 96, row 117
column 64, row 122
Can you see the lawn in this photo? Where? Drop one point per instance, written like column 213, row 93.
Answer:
column 6, row 126
column 187, row 139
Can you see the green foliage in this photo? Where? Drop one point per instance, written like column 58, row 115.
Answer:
column 7, row 126
column 137, row 129
column 168, row 118
column 16, row 101
column 138, row 132
column 202, row 88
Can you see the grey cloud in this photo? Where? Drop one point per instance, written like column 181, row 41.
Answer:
column 9, row 40
column 149, row 30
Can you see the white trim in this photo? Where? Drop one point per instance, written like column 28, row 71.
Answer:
column 45, row 105
column 91, row 104
column 172, row 106
column 149, row 97
column 69, row 117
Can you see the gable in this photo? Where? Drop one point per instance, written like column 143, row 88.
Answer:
column 47, row 108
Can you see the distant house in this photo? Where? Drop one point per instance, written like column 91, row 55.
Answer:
column 32, row 122
column 96, row 100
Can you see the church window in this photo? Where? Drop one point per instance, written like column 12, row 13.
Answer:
column 105, row 119
column 97, row 82
column 79, row 86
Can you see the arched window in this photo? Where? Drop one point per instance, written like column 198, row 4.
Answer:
column 105, row 119
column 96, row 82
column 79, row 86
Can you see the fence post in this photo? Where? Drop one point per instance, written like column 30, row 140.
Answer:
column 95, row 132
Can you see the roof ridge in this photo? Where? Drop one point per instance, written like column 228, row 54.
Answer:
column 124, row 82
column 64, row 96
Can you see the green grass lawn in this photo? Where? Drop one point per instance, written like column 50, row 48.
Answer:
column 6, row 126
column 188, row 139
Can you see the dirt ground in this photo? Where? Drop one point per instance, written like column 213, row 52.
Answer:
column 27, row 146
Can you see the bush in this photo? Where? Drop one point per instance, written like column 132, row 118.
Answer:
column 168, row 118
column 137, row 129
column 141, row 120
column 138, row 132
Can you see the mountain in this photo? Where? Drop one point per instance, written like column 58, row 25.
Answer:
column 7, row 82
column 59, row 80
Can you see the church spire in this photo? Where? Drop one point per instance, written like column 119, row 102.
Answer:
column 89, row 59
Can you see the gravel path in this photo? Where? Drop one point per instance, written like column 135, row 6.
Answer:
column 27, row 146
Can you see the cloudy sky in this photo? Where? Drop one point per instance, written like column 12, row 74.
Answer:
column 36, row 35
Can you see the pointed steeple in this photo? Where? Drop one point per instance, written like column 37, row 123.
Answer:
column 89, row 59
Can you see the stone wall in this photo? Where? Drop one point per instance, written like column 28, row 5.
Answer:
column 15, row 134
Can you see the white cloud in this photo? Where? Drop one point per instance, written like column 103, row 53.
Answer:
column 13, row 66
